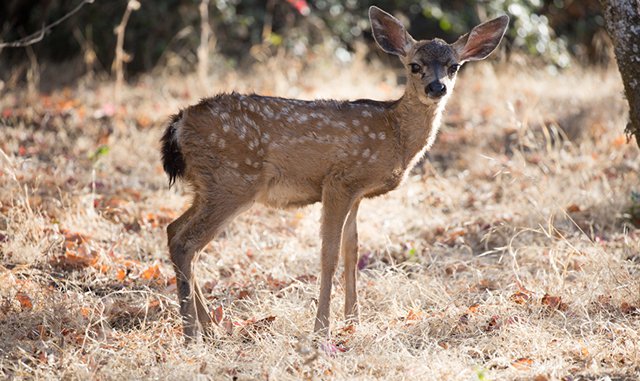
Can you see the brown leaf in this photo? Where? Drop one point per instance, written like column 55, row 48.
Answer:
column 520, row 297
column 25, row 300
column 77, row 258
column 628, row 309
column 573, row 208
column 218, row 315
column 523, row 363
column 151, row 273
column 474, row 308
column 121, row 274
column 413, row 315
column 252, row 327
column 454, row 235
column 554, row 302
column 494, row 324
column 228, row 327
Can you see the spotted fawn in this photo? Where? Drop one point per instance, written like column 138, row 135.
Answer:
column 236, row 150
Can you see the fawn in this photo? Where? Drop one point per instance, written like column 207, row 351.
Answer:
column 235, row 150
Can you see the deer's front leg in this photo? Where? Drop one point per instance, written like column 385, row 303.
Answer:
column 350, row 253
column 335, row 207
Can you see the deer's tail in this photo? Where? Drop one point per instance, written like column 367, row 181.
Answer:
column 172, row 158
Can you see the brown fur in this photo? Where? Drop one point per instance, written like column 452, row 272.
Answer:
column 243, row 149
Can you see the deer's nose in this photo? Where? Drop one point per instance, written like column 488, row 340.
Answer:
column 436, row 89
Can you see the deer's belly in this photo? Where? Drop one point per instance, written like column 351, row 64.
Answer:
column 289, row 194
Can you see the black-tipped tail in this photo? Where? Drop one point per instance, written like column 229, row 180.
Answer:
column 172, row 159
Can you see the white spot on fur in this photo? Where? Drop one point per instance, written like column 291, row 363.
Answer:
column 366, row 129
column 243, row 132
column 265, row 138
column 225, row 128
column 256, row 165
column 366, row 153
column 268, row 112
column 366, row 113
column 249, row 178
column 372, row 135
column 247, row 161
column 382, row 136
column 374, row 157
column 222, row 143
column 260, row 152
column 355, row 122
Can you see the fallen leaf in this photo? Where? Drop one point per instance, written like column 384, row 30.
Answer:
column 121, row 274
column 628, row 309
column 251, row 327
column 25, row 300
column 573, row 208
column 494, row 324
column 520, row 297
column 554, row 302
column 218, row 315
column 619, row 141
column 152, row 272
column 414, row 315
column 523, row 363
column 474, row 308
column 228, row 327
column 349, row 329
column 364, row 260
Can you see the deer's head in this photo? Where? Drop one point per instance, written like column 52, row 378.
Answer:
column 432, row 65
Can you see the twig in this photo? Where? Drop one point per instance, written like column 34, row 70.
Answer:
column 203, row 49
column 39, row 35
column 121, row 55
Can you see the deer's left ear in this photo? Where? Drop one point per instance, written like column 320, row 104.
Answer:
column 482, row 40
column 389, row 33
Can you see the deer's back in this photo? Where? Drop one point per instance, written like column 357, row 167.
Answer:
column 285, row 151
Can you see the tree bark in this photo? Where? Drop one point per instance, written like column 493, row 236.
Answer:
column 622, row 19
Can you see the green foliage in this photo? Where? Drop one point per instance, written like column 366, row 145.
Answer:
column 544, row 28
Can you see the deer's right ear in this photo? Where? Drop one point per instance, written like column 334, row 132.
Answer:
column 389, row 33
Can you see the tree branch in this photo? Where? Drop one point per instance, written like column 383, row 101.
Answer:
column 39, row 35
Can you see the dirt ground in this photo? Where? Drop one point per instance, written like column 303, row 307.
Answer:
column 511, row 252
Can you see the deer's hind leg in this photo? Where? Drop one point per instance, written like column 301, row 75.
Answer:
column 189, row 234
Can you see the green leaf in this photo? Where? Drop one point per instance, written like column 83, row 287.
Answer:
column 98, row 153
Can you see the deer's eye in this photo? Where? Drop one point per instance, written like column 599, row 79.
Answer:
column 415, row 68
column 453, row 69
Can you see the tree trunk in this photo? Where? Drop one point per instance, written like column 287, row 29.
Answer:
column 623, row 24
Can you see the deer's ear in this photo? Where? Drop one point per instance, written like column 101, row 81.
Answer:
column 389, row 33
column 482, row 40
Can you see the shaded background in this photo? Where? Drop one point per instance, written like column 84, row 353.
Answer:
column 164, row 33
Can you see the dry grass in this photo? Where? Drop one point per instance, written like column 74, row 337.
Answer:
column 509, row 253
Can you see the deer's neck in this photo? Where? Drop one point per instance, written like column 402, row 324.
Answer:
column 417, row 125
